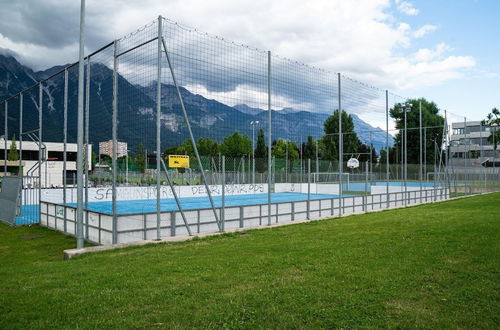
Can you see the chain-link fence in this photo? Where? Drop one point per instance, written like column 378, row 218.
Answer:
column 186, row 132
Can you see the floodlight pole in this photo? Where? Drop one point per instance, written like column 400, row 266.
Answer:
column 79, row 161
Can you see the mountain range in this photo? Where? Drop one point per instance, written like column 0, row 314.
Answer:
column 137, row 110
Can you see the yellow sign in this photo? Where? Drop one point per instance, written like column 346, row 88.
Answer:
column 178, row 161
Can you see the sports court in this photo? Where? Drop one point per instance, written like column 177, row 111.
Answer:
column 193, row 203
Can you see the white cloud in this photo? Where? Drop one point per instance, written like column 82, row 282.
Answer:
column 407, row 8
column 360, row 39
column 424, row 30
column 426, row 54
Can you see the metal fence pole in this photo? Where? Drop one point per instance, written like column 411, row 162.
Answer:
column 420, row 148
column 466, row 155
column 387, row 146
column 79, row 191
column 405, row 166
column 269, row 138
column 365, row 206
column 65, row 142
column 446, row 159
column 286, row 162
column 425, row 153
column 6, row 136
column 223, row 197
column 158, row 129
column 308, row 188
column 317, row 157
column 481, row 153
column 21, row 100
column 114, row 137
column 86, row 153
column 40, row 137
column 341, row 147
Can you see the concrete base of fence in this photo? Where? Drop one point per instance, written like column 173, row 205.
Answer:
column 70, row 253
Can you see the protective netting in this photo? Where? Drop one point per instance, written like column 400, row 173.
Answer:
column 237, row 126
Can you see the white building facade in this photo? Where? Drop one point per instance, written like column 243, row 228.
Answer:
column 469, row 144
column 52, row 166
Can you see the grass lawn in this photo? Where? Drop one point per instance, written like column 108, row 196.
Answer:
column 431, row 266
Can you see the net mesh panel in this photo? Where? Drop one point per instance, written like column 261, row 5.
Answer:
column 100, row 116
column 224, row 86
column 224, row 89
column 303, row 96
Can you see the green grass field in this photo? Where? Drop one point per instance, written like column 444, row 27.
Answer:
column 431, row 266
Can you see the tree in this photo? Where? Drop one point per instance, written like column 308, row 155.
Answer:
column 140, row 158
column 383, row 156
column 208, row 147
column 13, row 155
column 260, row 152
column 309, row 148
column 236, row 145
column 284, row 149
column 493, row 119
column 432, row 122
column 331, row 138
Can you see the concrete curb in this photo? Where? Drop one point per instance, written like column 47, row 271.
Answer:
column 71, row 253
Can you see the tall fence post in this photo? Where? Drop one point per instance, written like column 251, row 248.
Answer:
column 365, row 198
column 86, row 144
column 114, row 137
column 158, row 130
column 65, row 142
column 79, row 164
column 40, row 137
column 308, row 188
column 6, row 136
column 466, row 155
column 420, row 148
column 317, row 157
column 387, row 147
column 21, row 101
column 223, row 198
column 269, row 138
column 341, row 148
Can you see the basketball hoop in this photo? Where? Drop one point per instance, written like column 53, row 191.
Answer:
column 353, row 163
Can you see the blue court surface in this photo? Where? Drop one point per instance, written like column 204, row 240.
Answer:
column 192, row 203
column 361, row 186
column 29, row 215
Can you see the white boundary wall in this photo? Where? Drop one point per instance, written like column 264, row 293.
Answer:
column 142, row 226
column 136, row 193
column 382, row 189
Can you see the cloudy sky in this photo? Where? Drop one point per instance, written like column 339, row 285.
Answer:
column 446, row 50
